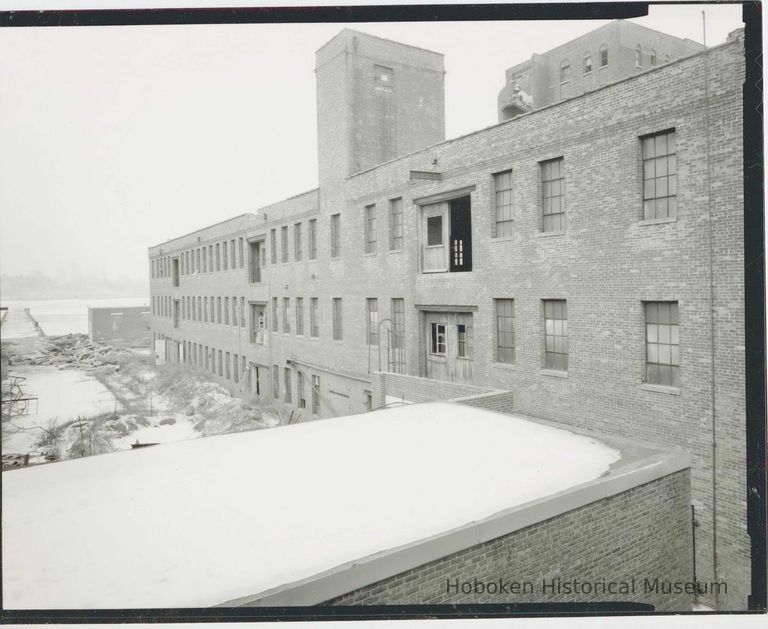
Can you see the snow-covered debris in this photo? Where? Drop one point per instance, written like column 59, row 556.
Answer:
column 201, row 522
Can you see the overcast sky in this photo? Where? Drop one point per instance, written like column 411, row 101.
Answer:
column 117, row 138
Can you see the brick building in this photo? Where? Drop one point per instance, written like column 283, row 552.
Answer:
column 585, row 256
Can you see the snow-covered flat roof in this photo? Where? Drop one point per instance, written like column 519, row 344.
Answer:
column 203, row 522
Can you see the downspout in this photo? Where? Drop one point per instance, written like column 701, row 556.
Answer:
column 711, row 309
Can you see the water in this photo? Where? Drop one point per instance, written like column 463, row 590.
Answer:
column 66, row 316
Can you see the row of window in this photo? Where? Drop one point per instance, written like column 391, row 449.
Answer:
column 222, row 256
column 662, row 339
column 289, row 374
column 659, row 193
column 565, row 65
column 222, row 310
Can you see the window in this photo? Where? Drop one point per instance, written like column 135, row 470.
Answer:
column 300, row 315
column 258, row 324
column 207, row 357
column 235, row 370
column 287, row 384
column 218, row 257
column 505, row 330
column 218, row 310
column 603, row 56
column 297, row 242
column 397, row 350
column 314, row 328
column 461, row 339
column 274, row 314
column 273, row 246
column 226, row 311
column 300, row 389
column 254, row 264
column 639, row 56
column 503, row 192
column 284, row 242
column 313, row 239
column 221, row 367
column 315, row 395
column 210, row 258
column 176, row 272
column 395, row 224
column 372, row 321
column 587, row 62
column 242, row 312
column 335, row 235
column 275, row 381
column 232, row 259
column 199, row 268
column 434, row 231
column 437, row 340
column 555, row 335
column 240, row 251
column 565, row 71
column 227, row 366
column 224, row 255
column 338, row 330
column 205, row 309
column 553, row 195
column 286, row 323
column 234, row 311
column 370, row 229
column 653, row 57
column 659, row 175
column 662, row 343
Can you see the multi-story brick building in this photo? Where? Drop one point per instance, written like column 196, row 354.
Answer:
column 586, row 256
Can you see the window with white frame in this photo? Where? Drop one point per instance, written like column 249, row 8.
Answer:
column 395, row 224
column 662, row 343
column 659, row 175
column 505, row 330
column 370, row 229
column 556, row 334
column 502, row 184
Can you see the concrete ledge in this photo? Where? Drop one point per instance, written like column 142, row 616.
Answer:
column 639, row 464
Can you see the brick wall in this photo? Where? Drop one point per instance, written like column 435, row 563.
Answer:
column 643, row 533
column 416, row 389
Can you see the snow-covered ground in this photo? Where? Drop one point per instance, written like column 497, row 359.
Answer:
column 201, row 522
column 17, row 325
column 62, row 395
column 65, row 316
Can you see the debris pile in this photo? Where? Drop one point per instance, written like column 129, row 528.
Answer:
column 71, row 350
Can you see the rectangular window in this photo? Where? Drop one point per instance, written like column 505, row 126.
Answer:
column 659, row 175
column 372, row 321
column 556, row 335
column 397, row 356
column 286, row 307
column 258, row 324
column 226, row 364
column 275, row 382
column 338, row 330
column 274, row 314
column 226, row 311
column 241, row 252
column 221, row 367
column 662, row 343
column 197, row 257
column 207, row 357
column 300, row 315
column 315, row 395
column 553, row 195
column 314, row 326
column 297, row 242
column 254, row 263
column 370, row 229
column 273, row 246
column 503, row 197
column 505, row 330
column 205, row 309
column 235, row 370
column 395, row 224
column 224, row 255
column 437, row 339
column 234, row 311
column 210, row 258
column 461, row 340
column 218, row 257
column 313, row 239
column 232, row 259
column 300, row 389
column 287, row 384
column 284, row 243
column 335, row 235
column 218, row 310
column 242, row 312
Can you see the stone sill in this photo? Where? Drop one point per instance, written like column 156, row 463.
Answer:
column 553, row 373
column 658, row 221
column 548, row 234
column 660, row 388
column 509, row 366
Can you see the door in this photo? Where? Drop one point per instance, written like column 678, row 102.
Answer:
column 461, row 235
column 253, row 378
column 435, row 238
column 448, row 341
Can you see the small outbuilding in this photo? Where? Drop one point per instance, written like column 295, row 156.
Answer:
column 126, row 325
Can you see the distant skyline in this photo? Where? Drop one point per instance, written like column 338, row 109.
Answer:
column 118, row 138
